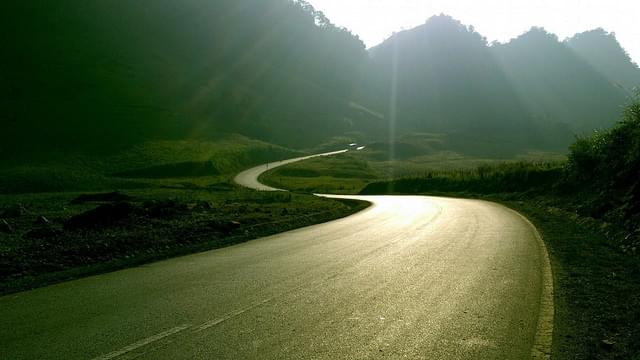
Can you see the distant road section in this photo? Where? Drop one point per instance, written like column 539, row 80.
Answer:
column 249, row 178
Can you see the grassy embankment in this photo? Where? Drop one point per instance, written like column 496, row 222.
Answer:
column 587, row 209
column 173, row 198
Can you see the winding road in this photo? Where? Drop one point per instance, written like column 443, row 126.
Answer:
column 411, row 277
column 249, row 177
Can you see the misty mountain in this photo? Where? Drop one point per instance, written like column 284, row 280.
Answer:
column 533, row 92
column 559, row 88
column 442, row 77
column 81, row 74
column 92, row 76
column 603, row 52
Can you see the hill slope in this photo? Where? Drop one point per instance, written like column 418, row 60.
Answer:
column 99, row 74
column 602, row 51
column 560, row 88
column 442, row 77
column 533, row 92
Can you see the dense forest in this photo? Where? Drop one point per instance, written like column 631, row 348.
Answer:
column 94, row 76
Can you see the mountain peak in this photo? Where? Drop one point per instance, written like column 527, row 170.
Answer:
column 443, row 19
column 437, row 29
column 537, row 34
column 597, row 39
column 604, row 53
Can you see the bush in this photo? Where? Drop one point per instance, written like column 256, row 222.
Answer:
column 605, row 169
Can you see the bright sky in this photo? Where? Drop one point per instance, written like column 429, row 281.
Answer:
column 502, row 20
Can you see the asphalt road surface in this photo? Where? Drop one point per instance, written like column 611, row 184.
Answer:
column 408, row 278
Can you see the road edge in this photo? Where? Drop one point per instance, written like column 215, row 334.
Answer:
column 542, row 345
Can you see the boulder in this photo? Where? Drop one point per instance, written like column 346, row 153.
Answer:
column 103, row 216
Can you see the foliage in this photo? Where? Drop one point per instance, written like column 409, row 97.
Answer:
column 605, row 167
column 485, row 179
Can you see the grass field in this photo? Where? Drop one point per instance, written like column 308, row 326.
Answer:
column 354, row 171
column 65, row 219
column 142, row 166
column 339, row 174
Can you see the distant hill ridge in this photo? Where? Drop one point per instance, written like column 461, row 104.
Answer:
column 94, row 76
column 602, row 51
column 534, row 89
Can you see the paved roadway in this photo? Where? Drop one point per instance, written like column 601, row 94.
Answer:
column 410, row 277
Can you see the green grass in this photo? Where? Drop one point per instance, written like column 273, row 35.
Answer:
column 341, row 174
column 142, row 166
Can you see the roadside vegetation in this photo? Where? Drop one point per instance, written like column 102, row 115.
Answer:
column 587, row 208
column 150, row 164
column 415, row 155
column 600, row 179
column 154, row 201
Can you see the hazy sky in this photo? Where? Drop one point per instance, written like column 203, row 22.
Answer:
column 375, row 20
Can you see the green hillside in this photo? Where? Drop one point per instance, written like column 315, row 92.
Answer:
column 99, row 75
column 533, row 92
column 561, row 91
column 442, row 77
column 603, row 52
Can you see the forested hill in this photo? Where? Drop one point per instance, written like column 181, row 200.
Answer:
column 81, row 74
column 97, row 75
column 533, row 91
column 602, row 51
column 442, row 77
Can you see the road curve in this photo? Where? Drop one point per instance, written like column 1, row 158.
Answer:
column 249, row 177
column 410, row 277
